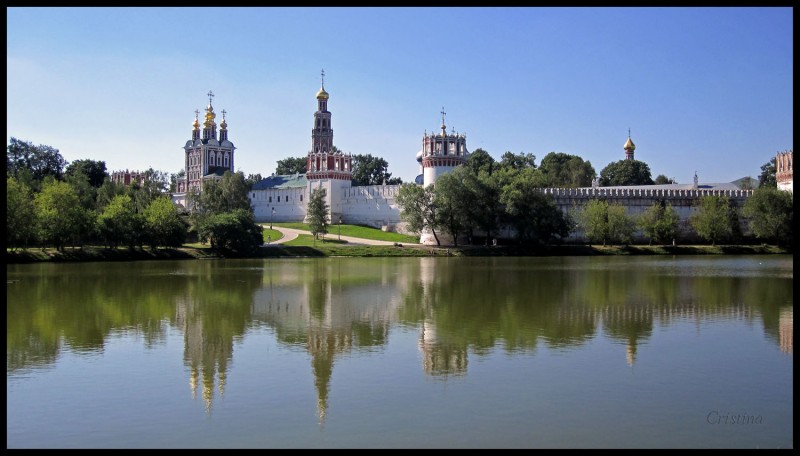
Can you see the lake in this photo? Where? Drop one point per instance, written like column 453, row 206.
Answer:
column 537, row 352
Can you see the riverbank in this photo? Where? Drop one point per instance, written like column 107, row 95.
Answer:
column 336, row 249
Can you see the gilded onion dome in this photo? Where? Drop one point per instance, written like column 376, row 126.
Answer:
column 196, row 124
column 629, row 144
column 210, row 116
column 322, row 94
column 224, row 124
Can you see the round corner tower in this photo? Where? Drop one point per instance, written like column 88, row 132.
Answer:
column 441, row 153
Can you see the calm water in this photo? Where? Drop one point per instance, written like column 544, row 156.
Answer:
column 568, row 352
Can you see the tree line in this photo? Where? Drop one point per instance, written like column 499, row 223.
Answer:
column 51, row 202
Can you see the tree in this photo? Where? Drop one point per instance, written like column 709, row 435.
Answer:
column 534, row 215
column 620, row 225
column 712, row 219
column 565, row 170
column 116, row 223
column 252, row 179
column 659, row 222
column 31, row 164
column 107, row 192
column 58, row 213
column 318, row 212
column 163, row 224
column 155, row 184
column 93, row 171
column 768, row 171
column 593, row 219
column 662, row 179
column 219, row 196
column 291, row 165
column 769, row 212
column 625, row 172
column 417, row 208
column 518, row 161
column 20, row 213
column 87, row 194
column 369, row 170
column 452, row 202
column 479, row 160
column 235, row 230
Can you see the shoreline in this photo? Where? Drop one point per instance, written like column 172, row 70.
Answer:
column 104, row 254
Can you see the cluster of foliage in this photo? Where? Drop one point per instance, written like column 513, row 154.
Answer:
column 484, row 195
column 369, row 170
column 221, row 214
column 54, row 203
column 318, row 213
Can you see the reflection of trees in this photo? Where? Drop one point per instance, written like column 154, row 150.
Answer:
column 79, row 305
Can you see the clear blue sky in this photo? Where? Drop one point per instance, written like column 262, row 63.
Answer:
column 702, row 89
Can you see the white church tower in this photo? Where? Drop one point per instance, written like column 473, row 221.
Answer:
column 441, row 153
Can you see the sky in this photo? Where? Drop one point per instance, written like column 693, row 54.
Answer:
column 705, row 90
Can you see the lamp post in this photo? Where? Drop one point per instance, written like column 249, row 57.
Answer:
column 340, row 227
column 270, row 218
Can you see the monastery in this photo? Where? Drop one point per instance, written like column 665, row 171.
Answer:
column 283, row 198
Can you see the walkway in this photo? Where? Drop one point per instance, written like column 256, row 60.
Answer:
column 291, row 234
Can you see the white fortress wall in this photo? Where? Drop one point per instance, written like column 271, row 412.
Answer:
column 289, row 204
column 372, row 205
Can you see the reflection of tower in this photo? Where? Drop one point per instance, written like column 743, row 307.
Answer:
column 205, row 354
column 786, row 330
column 323, row 344
column 629, row 324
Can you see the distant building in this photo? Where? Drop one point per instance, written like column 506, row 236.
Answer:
column 128, row 177
column 783, row 170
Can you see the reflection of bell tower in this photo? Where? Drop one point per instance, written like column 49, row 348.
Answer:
column 323, row 345
column 786, row 330
column 205, row 354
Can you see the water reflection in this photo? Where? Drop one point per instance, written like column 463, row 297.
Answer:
column 329, row 308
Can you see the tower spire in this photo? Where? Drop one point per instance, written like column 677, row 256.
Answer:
column 210, row 96
column 322, row 74
column 444, row 129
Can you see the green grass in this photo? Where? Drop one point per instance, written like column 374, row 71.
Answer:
column 307, row 240
column 274, row 235
column 363, row 232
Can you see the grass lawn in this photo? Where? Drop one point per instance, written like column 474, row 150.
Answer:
column 274, row 235
column 363, row 232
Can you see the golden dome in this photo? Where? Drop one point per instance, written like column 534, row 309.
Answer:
column 196, row 124
column 629, row 144
column 322, row 94
column 224, row 124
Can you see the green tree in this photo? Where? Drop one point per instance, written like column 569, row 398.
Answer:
column 565, row 170
column 318, row 212
column 93, row 171
column 518, row 161
column 235, row 230
column 58, row 213
column 107, row 192
column 452, row 202
column 163, row 223
column 769, row 213
column 662, row 179
column 369, row 170
column 712, row 218
column 87, row 194
column 659, row 222
column 31, row 164
column 155, row 184
column 291, row 165
column 417, row 208
column 603, row 222
column 620, row 225
column 480, row 160
column 117, row 223
column 768, row 171
column 625, row 172
column 219, row 196
column 20, row 213
column 251, row 180
column 534, row 215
